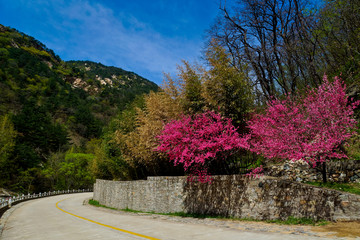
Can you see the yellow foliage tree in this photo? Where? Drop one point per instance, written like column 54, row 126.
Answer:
column 138, row 146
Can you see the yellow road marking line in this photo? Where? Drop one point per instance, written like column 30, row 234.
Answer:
column 108, row 226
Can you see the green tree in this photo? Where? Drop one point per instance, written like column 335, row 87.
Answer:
column 7, row 146
column 226, row 89
column 218, row 86
column 7, row 137
column 86, row 124
column 75, row 171
column 26, row 180
column 108, row 162
column 339, row 31
column 37, row 130
column 51, row 170
column 191, row 76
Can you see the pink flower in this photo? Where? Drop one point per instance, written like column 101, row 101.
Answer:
column 196, row 140
column 311, row 128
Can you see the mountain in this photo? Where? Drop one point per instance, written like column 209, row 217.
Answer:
column 53, row 104
column 112, row 83
column 100, row 76
column 30, row 73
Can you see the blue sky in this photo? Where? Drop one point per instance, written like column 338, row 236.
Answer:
column 148, row 37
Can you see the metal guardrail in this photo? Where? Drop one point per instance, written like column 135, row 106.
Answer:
column 6, row 203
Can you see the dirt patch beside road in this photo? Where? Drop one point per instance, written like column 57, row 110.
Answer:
column 341, row 229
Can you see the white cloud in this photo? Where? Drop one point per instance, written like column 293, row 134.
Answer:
column 87, row 30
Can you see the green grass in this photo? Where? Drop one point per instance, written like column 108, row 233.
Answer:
column 289, row 221
column 97, row 204
column 345, row 187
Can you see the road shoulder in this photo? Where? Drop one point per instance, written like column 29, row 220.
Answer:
column 7, row 214
column 248, row 226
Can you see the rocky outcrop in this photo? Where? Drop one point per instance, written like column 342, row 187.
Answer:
column 300, row 171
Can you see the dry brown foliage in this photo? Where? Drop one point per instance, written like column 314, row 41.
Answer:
column 138, row 146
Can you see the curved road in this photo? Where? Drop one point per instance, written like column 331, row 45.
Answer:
column 66, row 217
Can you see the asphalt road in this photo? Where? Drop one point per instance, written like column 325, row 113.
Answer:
column 66, row 217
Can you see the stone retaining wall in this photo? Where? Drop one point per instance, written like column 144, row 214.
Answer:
column 236, row 196
column 157, row 194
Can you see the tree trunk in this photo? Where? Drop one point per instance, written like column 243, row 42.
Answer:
column 324, row 172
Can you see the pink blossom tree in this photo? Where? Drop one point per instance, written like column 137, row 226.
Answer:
column 312, row 128
column 196, row 141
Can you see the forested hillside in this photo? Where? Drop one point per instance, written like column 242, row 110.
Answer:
column 48, row 106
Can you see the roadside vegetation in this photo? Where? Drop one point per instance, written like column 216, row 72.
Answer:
column 344, row 187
